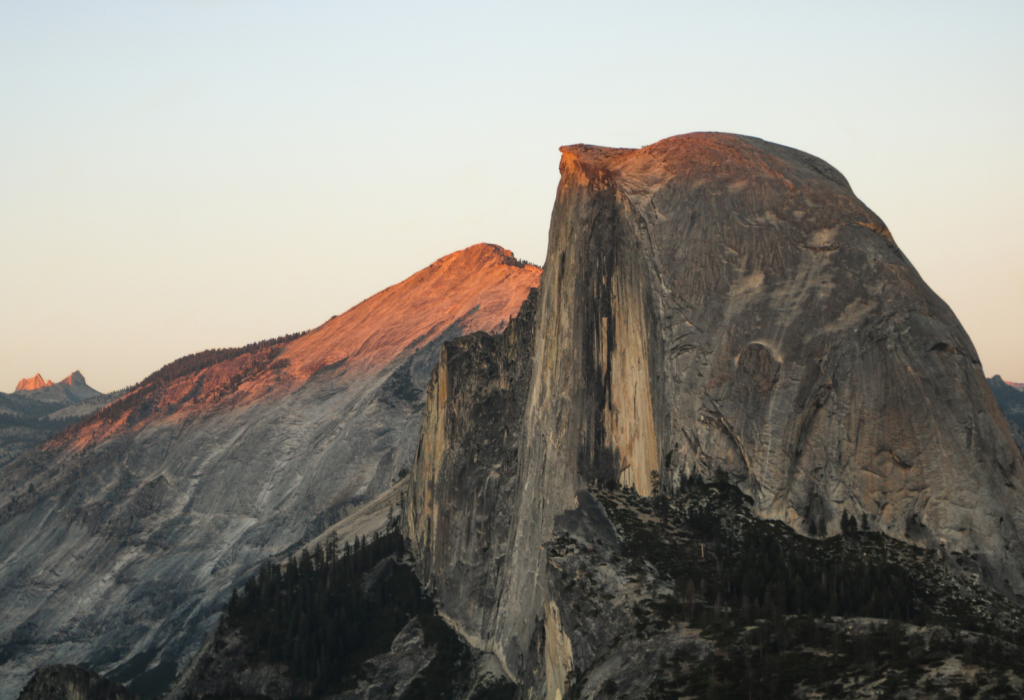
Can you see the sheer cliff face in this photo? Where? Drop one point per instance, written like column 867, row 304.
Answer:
column 123, row 537
column 718, row 305
column 798, row 351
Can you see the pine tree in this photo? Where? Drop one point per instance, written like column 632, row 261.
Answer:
column 848, row 523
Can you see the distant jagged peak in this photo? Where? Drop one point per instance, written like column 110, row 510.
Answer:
column 74, row 379
column 1019, row 386
column 36, row 382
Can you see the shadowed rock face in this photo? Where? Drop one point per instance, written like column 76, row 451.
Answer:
column 60, row 682
column 721, row 306
column 121, row 538
column 1010, row 398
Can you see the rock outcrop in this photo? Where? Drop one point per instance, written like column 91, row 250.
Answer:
column 122, row 537
column 712, row 306
column 63, row 682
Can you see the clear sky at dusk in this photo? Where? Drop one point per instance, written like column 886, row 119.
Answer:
column 178, row 176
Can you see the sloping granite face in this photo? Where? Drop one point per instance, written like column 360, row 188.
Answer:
column 718, row 305
column 122, row 538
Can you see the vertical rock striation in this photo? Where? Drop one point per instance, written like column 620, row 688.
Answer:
column 711, row 305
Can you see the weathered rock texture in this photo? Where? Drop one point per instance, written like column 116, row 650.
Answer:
column 714, row 305
column 120, row 540
column 464, row 485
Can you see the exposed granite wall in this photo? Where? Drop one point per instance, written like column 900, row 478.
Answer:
column 714, row 305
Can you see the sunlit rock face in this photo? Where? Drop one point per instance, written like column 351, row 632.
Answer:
column 714, row 305
column 36, row 382
column 72, row 389
column 121, row 538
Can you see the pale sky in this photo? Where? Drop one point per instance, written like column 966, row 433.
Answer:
column 178, row 176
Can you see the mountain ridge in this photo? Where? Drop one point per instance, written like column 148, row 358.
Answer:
column 1010, row 398
column 367, row 336
column 72, row 389
column 36, row 382
column 30, row 416
column 123, row 536
column 733, row 445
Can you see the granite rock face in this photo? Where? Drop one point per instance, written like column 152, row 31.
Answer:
column 711, row 305
column 464, row 486
column 121, row 540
